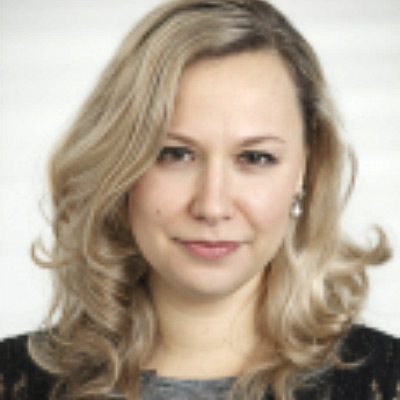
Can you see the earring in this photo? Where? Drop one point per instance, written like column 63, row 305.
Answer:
column 297, row 205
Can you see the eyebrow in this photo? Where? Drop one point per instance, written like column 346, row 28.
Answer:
column 247, row 141
column 180, row 137
column 254, row 140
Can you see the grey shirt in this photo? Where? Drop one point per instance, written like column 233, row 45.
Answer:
column 154, row 387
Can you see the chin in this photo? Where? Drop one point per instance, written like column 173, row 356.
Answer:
column 214, row 285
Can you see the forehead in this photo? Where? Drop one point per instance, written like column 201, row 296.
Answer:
column 262, row 61
column 261, row 72
column 245, row 91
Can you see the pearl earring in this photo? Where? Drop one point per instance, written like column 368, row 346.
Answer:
column 297, row 205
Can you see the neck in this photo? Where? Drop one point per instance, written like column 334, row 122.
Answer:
column 204, row 339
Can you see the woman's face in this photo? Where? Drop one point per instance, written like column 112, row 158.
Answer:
column 212, row 211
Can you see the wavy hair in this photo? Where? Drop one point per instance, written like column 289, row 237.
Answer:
column 105, row 325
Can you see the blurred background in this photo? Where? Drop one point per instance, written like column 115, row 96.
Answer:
column 51, row 54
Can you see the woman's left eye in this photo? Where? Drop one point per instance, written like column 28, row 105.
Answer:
column 257, row 158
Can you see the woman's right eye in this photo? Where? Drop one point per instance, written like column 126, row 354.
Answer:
column 175, row 154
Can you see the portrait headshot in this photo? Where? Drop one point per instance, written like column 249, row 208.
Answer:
column 200, row 200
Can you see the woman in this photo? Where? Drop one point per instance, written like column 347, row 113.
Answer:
column 198, row 252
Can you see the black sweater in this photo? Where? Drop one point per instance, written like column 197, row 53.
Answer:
column 377, row 378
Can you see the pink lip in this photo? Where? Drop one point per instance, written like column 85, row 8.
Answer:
column 210, row 250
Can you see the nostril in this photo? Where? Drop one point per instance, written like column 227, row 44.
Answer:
column 211, row 209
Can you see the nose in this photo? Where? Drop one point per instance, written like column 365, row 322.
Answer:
column 212, row 200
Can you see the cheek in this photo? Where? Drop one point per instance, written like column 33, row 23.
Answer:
column 152, row 202
column 269, row 208
column 144, row 212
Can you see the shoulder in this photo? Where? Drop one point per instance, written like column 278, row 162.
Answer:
column 361, row 339
column 374, row 366
column 20, row 377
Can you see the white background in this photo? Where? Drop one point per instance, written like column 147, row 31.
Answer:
column 52, row 52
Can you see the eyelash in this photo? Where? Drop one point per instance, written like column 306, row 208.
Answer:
column 257, row 158
column 171, row 154
column 251, row 158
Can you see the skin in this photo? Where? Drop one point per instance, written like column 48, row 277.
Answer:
column 212, row 212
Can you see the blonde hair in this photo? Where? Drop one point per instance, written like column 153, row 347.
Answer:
column 104, row 320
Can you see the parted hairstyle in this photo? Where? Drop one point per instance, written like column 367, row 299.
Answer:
column 102, row 326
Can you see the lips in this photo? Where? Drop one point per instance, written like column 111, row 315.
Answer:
column 211, row 250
